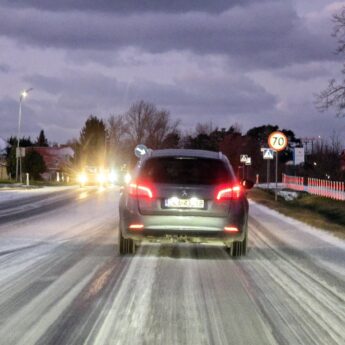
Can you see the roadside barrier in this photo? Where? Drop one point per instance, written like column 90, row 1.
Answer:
column 325, row 188
column 294, row 182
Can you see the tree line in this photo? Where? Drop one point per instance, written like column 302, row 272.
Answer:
column 111, row 142
column 33, row 162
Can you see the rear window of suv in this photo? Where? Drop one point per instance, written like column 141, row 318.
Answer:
column 185, row 170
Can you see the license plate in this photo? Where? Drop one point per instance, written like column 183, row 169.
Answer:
column 184, row 203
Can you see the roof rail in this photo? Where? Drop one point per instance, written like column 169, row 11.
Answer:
column 220, row 155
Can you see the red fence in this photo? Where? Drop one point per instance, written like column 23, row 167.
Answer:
column 293, row 182
column 326, row 188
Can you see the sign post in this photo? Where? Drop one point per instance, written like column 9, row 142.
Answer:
column 248, row 163
column 267, row 154
column 277, row 141
column 243, row 160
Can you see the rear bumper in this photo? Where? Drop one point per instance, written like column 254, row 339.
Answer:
column 184, row 228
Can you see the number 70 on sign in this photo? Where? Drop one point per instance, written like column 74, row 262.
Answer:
column 277, row 141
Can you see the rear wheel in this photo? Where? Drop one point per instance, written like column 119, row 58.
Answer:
column 126, row 245
column 239, row 248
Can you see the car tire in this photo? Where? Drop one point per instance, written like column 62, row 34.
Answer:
column 121, row 244
column 239, row 248
column 126, row 245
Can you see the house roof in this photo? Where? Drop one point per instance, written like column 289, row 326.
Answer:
column 3, row 145
column 55, row 158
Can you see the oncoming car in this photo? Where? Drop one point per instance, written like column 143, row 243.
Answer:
column 94, row 176
column 184, row 195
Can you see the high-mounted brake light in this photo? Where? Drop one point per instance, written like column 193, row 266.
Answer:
column 140, row 190
column 228, row 193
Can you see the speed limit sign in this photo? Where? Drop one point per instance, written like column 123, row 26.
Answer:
column 277, row 141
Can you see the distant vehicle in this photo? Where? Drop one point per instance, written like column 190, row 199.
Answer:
column 95, row 176
column 184, row 195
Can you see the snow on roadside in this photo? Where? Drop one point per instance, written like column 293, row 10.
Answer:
column 323, row 246
column 15, row 194
column 320, row 233
column 288, row 195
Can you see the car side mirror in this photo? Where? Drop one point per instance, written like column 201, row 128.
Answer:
column 247, row 184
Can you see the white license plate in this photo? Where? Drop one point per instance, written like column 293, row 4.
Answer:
column 184, row 203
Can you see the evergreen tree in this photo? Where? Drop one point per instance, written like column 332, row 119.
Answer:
column 34, row 164
column 42, row 140
column 92, row 143
column 11, row 152
column 261, row 133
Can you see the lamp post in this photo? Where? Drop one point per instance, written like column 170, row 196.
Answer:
column 22, row 96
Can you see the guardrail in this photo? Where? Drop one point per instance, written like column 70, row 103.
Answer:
column 325, row 188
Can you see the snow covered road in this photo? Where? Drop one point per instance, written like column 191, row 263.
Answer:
column 62, row 282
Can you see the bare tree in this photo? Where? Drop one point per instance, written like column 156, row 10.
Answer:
column 138, row 121
column 324, row 161
column 334, row 95
column 145, row 124
column 115, row 134
column 160, row 126
column 204, row 128
column 115, row 130
column 336, row 145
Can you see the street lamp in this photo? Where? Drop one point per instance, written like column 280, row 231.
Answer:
column 22, row 96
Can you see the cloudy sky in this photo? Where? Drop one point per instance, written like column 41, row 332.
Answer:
column 250, row 62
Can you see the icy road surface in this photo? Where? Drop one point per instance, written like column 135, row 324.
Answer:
column 61, row 281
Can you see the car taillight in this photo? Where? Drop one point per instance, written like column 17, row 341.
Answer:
column 141, row 190
column 230, row 229
column 228, row 192
column 136, row 226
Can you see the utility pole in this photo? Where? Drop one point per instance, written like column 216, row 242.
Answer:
column 18, row 150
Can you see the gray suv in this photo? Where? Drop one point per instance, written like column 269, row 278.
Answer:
column 184, row 195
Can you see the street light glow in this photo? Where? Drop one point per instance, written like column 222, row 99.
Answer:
column 23, row 94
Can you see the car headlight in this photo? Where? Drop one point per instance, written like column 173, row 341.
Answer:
column 112, row 177
column 82, row 178
column 101, row 178
column 128, row 178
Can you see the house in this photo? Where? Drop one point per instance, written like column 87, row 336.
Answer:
column 57, row 161
column 3, row 161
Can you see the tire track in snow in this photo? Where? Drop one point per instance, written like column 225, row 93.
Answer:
column 299, row 302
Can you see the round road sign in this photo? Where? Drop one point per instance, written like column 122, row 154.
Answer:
column 140, row 150
column 277, row 141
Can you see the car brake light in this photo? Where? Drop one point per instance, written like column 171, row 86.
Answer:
column 136, row 226
column 228, row 193
column 140, row 190
column 230, row 229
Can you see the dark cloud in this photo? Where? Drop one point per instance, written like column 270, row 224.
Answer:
column 205, row 94
column 262, row 35
column 9, row 109
column 194, row 58
column 130, row 6
column 51, row 85
column 306, row 121
column 59, row 124
column 304, row 72
column 4, row 68
column 78, row 95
